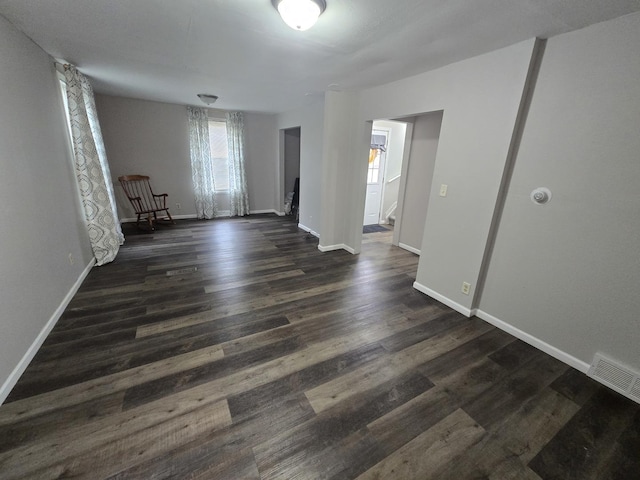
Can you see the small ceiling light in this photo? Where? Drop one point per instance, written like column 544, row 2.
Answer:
column 300, row 14
column 208, row 99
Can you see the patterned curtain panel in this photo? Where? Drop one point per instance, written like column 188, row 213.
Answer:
column 201, row 167
column 92, row 169
column 238, row 195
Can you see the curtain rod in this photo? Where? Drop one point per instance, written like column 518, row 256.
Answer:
column 61, row 67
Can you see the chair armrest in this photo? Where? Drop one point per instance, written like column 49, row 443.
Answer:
column 164, row 198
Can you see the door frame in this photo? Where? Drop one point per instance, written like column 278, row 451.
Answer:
column 382, row 172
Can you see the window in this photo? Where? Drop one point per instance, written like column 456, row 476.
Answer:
column 219, row 154
column 374, row 166
column 378, row 146
column 65, row 101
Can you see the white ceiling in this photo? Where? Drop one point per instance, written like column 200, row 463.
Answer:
column 240, row 50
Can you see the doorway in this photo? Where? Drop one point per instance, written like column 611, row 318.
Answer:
column 382, row 211
column 291, row 149
column 417, row 176
column 375, row 176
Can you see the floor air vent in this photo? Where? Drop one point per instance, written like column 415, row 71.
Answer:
column 615, row 376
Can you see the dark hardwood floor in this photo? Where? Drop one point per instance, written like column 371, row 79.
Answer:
column 234, row 349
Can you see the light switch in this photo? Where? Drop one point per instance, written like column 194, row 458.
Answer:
column 443, row 190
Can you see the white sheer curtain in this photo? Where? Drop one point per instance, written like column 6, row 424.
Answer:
column 238, row 196
column 201, row 168
column 92, row 169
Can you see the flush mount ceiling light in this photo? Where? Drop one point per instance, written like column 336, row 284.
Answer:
column 300, row 14
column 208, row 99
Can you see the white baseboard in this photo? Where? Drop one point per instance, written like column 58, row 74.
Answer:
column 308, row 230
column 339, row 246
column 269, row 210
column 175, row 217
column 221, row 213
column 504, row 326
column 535, row 342
column 13, row 378
column 447, row 301
column 409, row 249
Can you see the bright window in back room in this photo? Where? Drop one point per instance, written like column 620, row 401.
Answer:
column 219, row 154
column 373, row 173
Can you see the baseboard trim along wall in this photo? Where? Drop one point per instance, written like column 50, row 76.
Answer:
column 269, row 210
column 340, row 246
column 42, row 336
column 442, row 299
column 308, row 230
column 504, row 326
column 175, row 217
column 222, row 213
column 409, row 249
column 535, row 342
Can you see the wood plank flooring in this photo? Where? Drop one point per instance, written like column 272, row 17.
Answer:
column 234, row 349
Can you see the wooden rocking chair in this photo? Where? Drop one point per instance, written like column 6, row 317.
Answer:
column 144, row 201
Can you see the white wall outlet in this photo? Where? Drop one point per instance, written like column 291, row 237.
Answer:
column 178, row 207
column 466, row 288
column 443, row 190
column 71, row 259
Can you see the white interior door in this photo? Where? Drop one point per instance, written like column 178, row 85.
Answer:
column 375, row 179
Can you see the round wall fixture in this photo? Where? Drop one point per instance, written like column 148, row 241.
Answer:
column 541, row 195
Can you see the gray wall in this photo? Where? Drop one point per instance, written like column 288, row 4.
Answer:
column 39, row 197
column 568, row 272
column 422, row 160
column 148, row 138
column 310, row 119
column 338, row 152
column 480, row 98
column 562, row 276
column 262, row 161
column 152, row 138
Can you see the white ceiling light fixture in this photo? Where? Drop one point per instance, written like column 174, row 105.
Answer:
column 300, row 14
column 208, row 99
